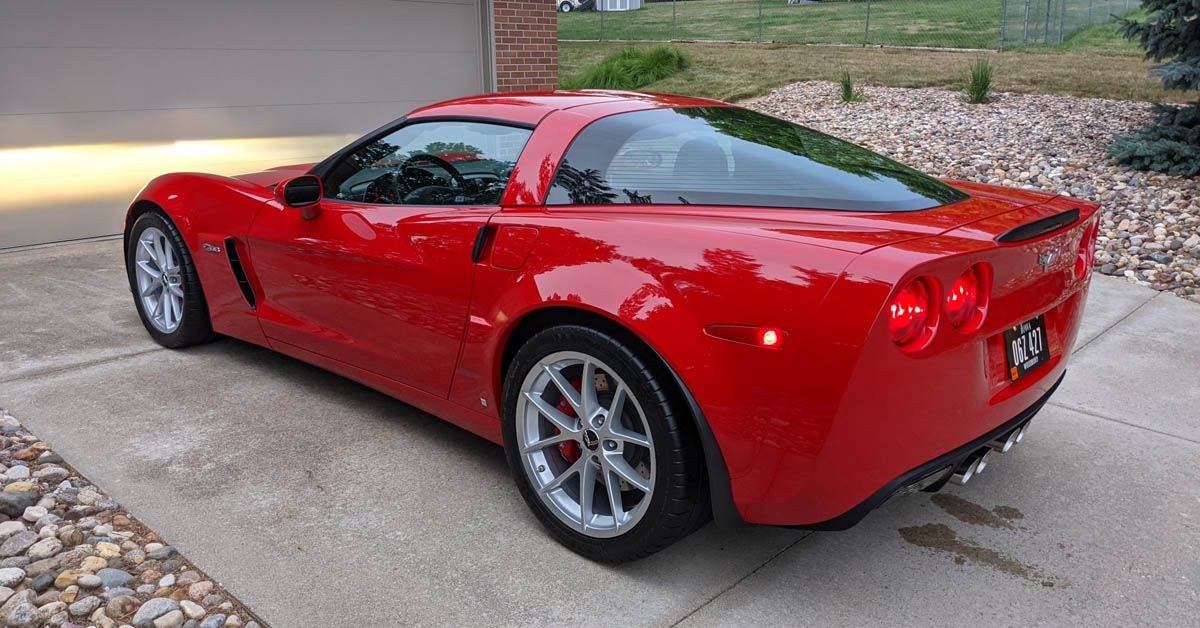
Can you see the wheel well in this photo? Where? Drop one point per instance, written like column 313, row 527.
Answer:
column 135, row 212
column 546, row 318
column 716, row 473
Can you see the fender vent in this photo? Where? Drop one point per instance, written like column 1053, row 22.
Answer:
column 1039, row 227
column 239, row 273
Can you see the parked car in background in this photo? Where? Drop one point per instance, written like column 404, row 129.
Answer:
column 566, row 6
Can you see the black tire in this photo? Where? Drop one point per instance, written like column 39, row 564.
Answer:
column 677, row 502
column 194, row 327
column 566, row 7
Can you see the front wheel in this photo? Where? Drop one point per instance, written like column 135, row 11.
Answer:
column 566, row 7
column 597, row 447
column 166, row 288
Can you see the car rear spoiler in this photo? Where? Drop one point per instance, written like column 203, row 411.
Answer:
column 1039, row 227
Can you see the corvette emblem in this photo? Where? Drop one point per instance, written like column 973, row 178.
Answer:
column 1045, row 260
column 211, row 248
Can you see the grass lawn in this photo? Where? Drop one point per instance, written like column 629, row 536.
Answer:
column 947, row 23
column 740, row 71
column 936, row 23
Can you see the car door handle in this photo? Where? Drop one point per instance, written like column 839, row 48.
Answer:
column 480, row 241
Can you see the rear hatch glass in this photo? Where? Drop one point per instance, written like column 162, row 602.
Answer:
column 732, row 156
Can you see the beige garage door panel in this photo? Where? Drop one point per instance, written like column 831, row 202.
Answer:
column 212, row 92
column 236, row 24
column 96, row 98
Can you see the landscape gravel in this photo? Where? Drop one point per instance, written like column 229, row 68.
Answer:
column 1150, row 225
column 71, row 557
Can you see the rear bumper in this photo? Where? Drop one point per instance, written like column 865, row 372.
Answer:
column 933, row 474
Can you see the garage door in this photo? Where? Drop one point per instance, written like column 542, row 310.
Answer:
column 96, row 98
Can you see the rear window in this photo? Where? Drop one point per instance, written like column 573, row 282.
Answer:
column 731, row 156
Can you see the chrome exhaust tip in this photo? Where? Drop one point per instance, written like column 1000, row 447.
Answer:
column 982, row 462
column 1005, row 443
column 970, row 468
column 1020, row 433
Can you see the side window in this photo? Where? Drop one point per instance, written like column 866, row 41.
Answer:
column 431, row 163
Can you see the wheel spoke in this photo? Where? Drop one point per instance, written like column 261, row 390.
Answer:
column 614, row 429
column 568, row 391
column 161, row 256
column 563, row 477
column 621, row 467
column 556, row 439
column 165, row 308
column 169, row 253
column 552, row 414
column 589, row 406
column 176, row 307
column 613, row 488
column 149, row 247
column 587, row 492
column 151, row 286
column 619, row 433
column 176, row 290
column 148, row 268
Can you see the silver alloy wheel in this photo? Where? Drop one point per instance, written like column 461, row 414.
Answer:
column 159, row 280
column 607, row 489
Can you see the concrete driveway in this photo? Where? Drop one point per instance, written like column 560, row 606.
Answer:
column 319, row 502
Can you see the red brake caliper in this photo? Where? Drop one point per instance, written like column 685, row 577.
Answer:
column 570, row 450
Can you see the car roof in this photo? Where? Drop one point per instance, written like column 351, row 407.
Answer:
column 531, row 107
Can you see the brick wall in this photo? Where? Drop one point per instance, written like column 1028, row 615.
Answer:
column 526, row 45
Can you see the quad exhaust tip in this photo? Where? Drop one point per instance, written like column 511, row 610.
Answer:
column 972, row 467
column 978, row 461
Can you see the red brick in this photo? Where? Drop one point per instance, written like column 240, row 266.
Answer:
column 526, row 45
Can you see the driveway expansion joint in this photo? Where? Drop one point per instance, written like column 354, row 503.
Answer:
column 1093, row 415
column 733, row 585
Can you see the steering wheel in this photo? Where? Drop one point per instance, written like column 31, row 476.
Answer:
column 434, row 160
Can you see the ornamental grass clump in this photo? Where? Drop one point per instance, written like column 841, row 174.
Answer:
column 631, row 68
column 849, row 93
column 979, row 82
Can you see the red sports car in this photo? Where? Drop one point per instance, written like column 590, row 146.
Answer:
column 665, row 308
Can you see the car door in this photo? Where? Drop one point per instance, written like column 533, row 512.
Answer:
column 381, row 278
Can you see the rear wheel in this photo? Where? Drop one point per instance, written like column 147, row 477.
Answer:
column 166, row 288
column 566, row 7
column 597, row 448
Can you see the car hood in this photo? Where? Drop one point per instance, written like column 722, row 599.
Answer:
column 268, row 178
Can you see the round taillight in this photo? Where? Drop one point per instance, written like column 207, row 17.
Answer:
column 909, row 312
column 962, row 299
column 1087, row 250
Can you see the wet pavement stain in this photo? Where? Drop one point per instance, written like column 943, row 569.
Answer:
column 942, row 538
column 1008, row 512
column 974, row 514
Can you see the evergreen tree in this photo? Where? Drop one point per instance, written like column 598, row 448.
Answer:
column 1171, row 37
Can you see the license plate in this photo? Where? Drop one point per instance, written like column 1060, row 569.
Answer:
column 1026, row 347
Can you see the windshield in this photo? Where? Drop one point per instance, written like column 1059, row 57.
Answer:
column 732, row 156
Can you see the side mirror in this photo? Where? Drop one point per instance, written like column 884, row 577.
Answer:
column 303, row 192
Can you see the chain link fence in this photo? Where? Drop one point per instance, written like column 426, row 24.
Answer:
column 972, row 24
column 1041, row 22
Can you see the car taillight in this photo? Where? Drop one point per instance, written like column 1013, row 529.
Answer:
column 909, row 312
column 1087, row 250
column 962, row 300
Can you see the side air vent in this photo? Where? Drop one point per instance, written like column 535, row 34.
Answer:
column 239, row 273
column 1039, row 227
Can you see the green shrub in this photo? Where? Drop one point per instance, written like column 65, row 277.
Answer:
column 1171, row 143
column 849, row 94
column 979, row 82
column 631, row 68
